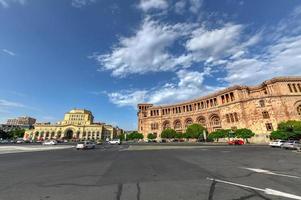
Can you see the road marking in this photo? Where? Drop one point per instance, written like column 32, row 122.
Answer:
column 263, row 171
column 266, row 190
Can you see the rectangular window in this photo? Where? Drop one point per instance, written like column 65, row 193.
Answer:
column 289, row 87
column 228, row 118
column 269, row 126
column 265, row 115
column 295, row 89
column 231, row 117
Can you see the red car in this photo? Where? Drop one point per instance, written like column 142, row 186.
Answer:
column 236, row 142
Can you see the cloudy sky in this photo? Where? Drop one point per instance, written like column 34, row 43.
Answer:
column 109, row 55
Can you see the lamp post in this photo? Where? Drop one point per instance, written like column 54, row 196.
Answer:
column 230, row 133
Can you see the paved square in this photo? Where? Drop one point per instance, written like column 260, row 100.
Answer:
column 120, row 173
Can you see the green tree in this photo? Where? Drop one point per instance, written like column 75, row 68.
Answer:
column 168, row 133
column 279, row 135
column 179, row 135
column 134, row 135
column 288, row 130
column 244, row 133
column 3, row 134
column 195, row 131
column 121, row 137
column 17, row 133
column 151, row 136
column 216, row 135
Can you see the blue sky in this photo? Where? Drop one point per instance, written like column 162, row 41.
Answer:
column 109, row 55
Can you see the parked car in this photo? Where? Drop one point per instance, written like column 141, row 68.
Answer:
column 19, row 141
column 4, row 142
column 115, row 141
column 49, row 142
column 99, row 142
column 292, row 144
column 236, row 142
column 85, row 145
column 277, row 143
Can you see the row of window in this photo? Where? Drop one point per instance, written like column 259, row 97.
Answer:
column 294, row 87
column 226, row 98
column 232, row 117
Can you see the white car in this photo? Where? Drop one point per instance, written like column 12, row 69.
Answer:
column 277, row 143
column 292, row 144
column 115, row 141
column 49, row 142
column 85, row 145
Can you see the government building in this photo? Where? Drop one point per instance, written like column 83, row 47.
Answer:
column 78, row 124
column 259, row 108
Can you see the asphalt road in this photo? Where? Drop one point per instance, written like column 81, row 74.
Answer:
column 114, row 172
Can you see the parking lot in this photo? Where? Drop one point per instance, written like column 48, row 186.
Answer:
column 141, row 172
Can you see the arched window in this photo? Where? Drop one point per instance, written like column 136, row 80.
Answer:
column 215, row 121
column 299, row 110
column 201, row 120
column 166, row 124
column 177, row 125
column 188, row 122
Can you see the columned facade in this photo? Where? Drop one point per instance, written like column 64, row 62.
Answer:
column 77, row 125
column 259, row 108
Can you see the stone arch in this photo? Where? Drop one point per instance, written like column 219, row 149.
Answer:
column 68, row 133
column 215, row 120
column 36, row 135
column 298, row 108
column 201, row 120
column 188, row 121
column 166, row 124
column 59, row 134
column 52, row 134
column 47, row 135
column 177, row 124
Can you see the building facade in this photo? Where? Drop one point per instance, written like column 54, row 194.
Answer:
column 22, row 121
column 259, row 108
column 18, row 123
column 78, row 124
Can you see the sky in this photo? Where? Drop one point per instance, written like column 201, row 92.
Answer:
column 109, row 55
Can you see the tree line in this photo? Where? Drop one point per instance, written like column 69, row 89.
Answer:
column 289, row 130
column 13, row 134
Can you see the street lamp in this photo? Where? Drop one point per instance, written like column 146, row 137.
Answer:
column 230, row 133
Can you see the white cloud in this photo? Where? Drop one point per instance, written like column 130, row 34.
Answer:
column 216, row 42
column 8, row 52
column 7, row 3
column 195, row 5
column 281, row 56
column 147, row 5
column 81, row 3
column 146, row 51
column 127, row 98
column 180, row 6
column 5, row 104
column 190, row 85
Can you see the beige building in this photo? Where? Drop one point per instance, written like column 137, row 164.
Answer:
column 78, row 124
column 259, row 108
column 28, row 121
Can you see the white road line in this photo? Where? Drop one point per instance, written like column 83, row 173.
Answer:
column 266, row 190
column 263, row 171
